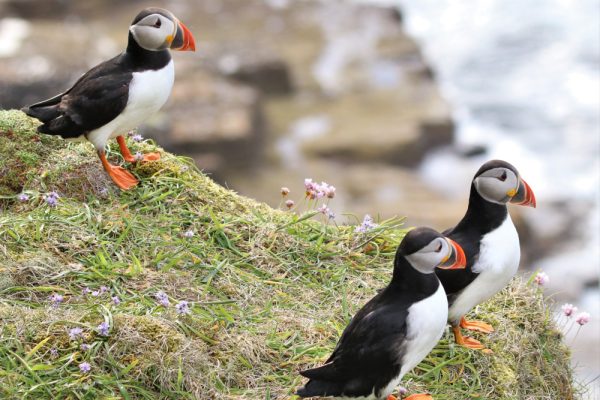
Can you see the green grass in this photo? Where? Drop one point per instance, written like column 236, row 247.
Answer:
column 270, row 291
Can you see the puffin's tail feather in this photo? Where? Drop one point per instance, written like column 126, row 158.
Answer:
column 320, row 388
column 55, row 121
column 326, row 372
column 44, row 114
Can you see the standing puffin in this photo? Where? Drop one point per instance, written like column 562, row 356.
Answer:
column 491, row 244
column 396, row 329
column 119, row 94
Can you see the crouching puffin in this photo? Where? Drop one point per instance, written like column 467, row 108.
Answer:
column 491, row 244
column 119, row 94
column 396, row 329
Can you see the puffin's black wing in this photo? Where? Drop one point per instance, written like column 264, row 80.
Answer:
column 456, row 280
column 97, row 98
column 367, row 356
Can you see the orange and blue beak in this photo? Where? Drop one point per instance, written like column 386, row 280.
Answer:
column 524, row 195
column 183, row 40
column 456, row 259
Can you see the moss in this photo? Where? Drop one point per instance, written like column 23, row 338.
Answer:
column 270, row 291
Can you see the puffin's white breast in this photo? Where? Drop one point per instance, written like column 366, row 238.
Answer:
column 148, row 92
column 425, row 324
column 499, row 256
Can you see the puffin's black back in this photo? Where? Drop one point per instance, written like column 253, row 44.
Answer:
column 369, row 353
column 99, row 96
column 481, row 218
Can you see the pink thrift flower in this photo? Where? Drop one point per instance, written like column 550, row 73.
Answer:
column 323, row 209
column 285, row 191
column 309, row 184
column 330, row 192
column 541, row 278
column 569, row 309
column 289, row 203
column 583, row 318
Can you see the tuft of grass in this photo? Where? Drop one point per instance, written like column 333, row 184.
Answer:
column 270, row 291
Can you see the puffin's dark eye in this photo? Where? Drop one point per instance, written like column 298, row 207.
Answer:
column 503, row 176
column 439, row 248
column 158, row 23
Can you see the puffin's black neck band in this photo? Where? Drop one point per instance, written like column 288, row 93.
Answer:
column 482, row 215
column 146, row 59
column 408, row 279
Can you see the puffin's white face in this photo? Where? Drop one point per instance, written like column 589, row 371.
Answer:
column 154, row 32
column 497, row 185
column 440, row 252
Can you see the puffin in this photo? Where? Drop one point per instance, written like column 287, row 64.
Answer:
column 121, row 93
column 396, row 329
column 491, row 244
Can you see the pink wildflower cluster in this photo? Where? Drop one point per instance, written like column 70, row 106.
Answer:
column 541, row 278
column 315, row 190
column 573, row 319
column 569, row 311
column 583, row 318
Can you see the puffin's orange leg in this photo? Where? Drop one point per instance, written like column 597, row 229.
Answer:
column 120, row 176
column 476, row 326
column 129, row 157
column 391, row 397
column 420, row 396
column 466, row 341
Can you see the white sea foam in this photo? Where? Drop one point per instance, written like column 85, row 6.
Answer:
column 12, row 33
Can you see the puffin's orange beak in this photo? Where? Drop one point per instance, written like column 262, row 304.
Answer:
column 183, row 40
column 524, row 195
column 457, row 258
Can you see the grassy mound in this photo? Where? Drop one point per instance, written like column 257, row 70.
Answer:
column 269, row 291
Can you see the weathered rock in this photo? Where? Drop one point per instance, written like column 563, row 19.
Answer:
column 208, row 115
column 267, row 73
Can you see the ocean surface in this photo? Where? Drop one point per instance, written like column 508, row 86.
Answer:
column 522, row 77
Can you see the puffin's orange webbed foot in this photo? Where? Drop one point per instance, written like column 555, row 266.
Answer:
column 120, row 176
column 130, row 158
column 420, row 396
column 476, row 326
column 391, row 397
column 466, row 341
column 151, row 157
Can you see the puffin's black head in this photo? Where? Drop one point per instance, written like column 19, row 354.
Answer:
column 157, row 29
column 499, row 182
column 426, row 249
